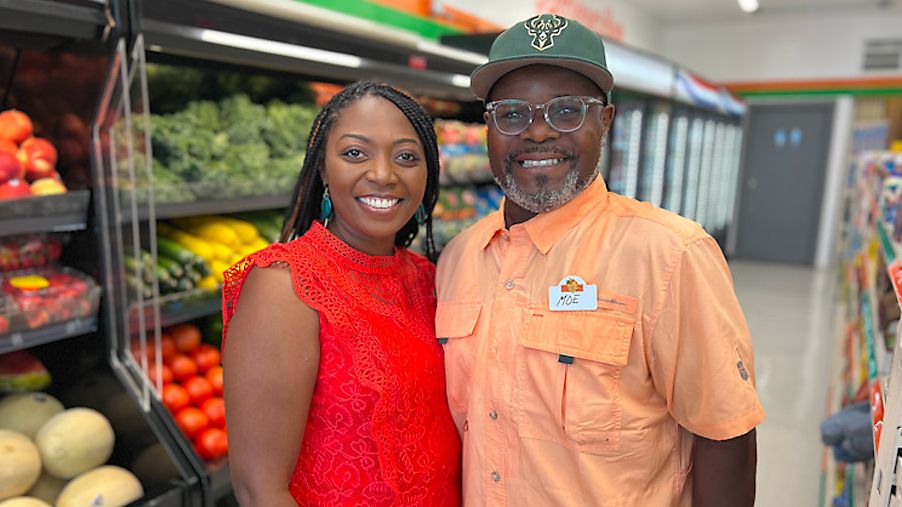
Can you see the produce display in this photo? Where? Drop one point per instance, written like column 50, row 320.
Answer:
column 53, row 456
column 33, row 298
column 457, row 209
column 193, row 252
column 20, row 372
column 29, row 251
column 27, row 163
column 463, row 152
column 191, row 379
column 227, row 149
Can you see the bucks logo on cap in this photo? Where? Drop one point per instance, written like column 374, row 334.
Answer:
column 543, row 29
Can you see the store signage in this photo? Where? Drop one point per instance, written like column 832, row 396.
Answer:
column 602, row 21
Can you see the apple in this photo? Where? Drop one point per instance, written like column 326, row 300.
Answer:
column 14, row 189
column 10, row 168
column 47, row 186
column 15, row 126
column 7, row 146
column 39, row 158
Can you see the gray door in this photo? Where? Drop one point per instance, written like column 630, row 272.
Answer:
column 783, row 182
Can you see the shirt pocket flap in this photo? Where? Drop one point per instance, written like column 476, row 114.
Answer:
column 594, row 336
column 456, row 319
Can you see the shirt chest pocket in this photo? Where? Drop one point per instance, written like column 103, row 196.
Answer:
column 455, row 324
column 568, row 379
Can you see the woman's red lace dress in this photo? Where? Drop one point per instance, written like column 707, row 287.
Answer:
column 379, row 431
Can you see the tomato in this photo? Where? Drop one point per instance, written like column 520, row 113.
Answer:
column 183, row 367
column 214, row 375
column 215, row 410
column 192, row 421
column 166, row 373
column 199, row 390
column 168, row 346
column 206, row 356
column 186, row 336
column 175, row 397
column 212, row 444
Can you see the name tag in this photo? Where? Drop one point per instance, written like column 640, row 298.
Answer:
column 572, row 294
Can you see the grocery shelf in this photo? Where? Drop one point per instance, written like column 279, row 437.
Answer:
column 220, row 479
column 211, row 45
column 52, row 213
column 215, row 207
column 86, row 20
column 33, row 337
column 179, row 307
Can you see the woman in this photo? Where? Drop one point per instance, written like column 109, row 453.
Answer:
column 334, row 381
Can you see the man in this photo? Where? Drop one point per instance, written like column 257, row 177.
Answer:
column 594, row 348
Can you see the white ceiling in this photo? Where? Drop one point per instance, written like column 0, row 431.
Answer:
column 694, row 11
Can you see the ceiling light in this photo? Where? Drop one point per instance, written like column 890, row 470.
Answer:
column 748, row 5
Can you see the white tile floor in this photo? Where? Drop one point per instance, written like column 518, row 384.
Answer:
column 790, row 311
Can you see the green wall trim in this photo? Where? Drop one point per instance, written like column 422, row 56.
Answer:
column 386, row 16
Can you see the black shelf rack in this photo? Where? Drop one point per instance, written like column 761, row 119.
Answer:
column 53, row 213
column 24, row 339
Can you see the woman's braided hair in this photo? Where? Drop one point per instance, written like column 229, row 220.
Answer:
column 308, row 191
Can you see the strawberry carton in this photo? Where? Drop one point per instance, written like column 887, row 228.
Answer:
column 29, row 251
column 48, row 295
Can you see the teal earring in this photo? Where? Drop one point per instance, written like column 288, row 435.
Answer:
column 421, row 214
column 325, row 208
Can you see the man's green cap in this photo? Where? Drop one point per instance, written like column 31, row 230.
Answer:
column 546, row 39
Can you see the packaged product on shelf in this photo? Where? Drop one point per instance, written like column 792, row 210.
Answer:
column 48, row 295
column 463, row 152
column 29, row 251
column 20, row 372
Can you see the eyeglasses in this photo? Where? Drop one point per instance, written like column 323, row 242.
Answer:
column 565, row 114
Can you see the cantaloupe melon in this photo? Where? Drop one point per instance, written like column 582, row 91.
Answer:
column 75, row 441
column 20, row 464
column 47, row 488
column 107, row 486
column 24, row 501
column 27, row 412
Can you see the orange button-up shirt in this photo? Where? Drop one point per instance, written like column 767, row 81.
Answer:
column 591, row 406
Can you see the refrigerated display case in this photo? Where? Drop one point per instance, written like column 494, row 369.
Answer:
column 626, row 143
column 654, row 154
column 695, row 151
column 677, row 148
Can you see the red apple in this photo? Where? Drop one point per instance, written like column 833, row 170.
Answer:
column 7, row 146
column 39, row 158
column 14, row 189
column 10, row 168
column 15, row 126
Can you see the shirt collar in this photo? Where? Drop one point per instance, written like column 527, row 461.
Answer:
column 545, row 229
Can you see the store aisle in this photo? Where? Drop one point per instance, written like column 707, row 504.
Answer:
column 790, row 311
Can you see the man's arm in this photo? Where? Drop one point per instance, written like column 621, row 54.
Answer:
column 723, row 472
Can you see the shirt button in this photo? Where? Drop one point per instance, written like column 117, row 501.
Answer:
column 509, row 284
column 496, row 476
column 493, row 415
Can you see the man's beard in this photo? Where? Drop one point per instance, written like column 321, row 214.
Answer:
column 545, row 199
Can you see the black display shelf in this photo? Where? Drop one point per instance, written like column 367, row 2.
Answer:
column 85, row 20
column 207, row 45
column 220, row 479
column 177, row 308
column 51, row 213
column 18, row 340
column 215, row 207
